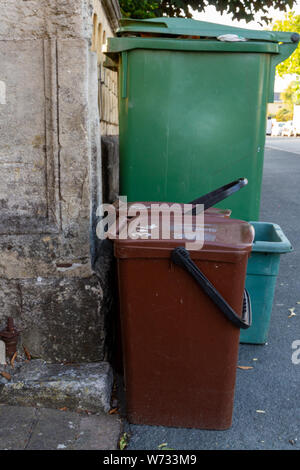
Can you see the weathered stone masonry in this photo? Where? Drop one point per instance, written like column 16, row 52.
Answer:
column 51, row 173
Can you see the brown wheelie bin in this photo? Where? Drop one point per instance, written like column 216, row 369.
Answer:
column 181, row 313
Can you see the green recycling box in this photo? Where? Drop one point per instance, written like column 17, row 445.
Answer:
column 263, row 267
column 192, row 108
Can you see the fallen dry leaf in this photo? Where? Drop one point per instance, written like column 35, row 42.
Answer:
column 6, row 375
column 292, row 314
column 13, row 359
column 27, row 353
column 80, row 410
column 113, row 411
column 164, row 446
column 245, row 367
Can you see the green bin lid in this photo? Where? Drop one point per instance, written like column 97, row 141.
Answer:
column 189, row 27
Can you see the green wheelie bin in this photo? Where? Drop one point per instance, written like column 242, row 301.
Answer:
column 192, row 107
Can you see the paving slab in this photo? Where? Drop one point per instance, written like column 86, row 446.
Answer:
column 30, row 428
column 15, row 427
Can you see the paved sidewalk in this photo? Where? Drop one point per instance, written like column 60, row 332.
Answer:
column 25, row 428
column 57, row 407
column 284, row 144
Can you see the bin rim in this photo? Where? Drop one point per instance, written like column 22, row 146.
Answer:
column 224, row 237
column 124, row 44
column 191, row 27
column 279, row 247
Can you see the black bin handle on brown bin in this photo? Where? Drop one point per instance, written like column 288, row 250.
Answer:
column 218, row 195
column 181, row 257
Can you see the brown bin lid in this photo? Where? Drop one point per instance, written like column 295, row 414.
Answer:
column 221, row 234
column 157, row 206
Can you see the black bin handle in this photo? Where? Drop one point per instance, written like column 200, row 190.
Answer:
column 218, row 195
column 181, row 257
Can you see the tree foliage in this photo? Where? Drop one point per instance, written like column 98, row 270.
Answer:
column 291, row 95
column 238, row 9
column 284, row 115
column 139, row 9
column 292, row 64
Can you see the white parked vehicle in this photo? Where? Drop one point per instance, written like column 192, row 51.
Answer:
column 296, row 120
column 269, row 126
column 277, row 129
column 288, row 129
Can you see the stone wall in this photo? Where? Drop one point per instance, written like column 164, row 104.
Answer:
column 51, row 174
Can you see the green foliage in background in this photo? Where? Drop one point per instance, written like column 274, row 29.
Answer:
column 139, row 9
column 292, row 64
column 291, row 95
column 284, row 115
column 238, row 9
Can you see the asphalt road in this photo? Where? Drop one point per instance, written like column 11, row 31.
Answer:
column 273, row 385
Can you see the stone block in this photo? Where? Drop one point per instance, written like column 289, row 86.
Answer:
column 76, row 386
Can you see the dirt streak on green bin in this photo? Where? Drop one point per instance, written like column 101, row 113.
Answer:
column 193, row 107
